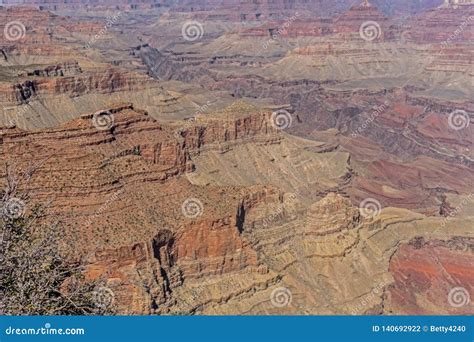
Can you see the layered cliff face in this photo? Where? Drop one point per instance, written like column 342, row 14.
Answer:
column 389, row 99
column 40, row 83
column 256, row 167
column 36, row 30
column 247, row 10
column 360, row 48
column 86, row 4
column 47, row 62
column 112, row 177
column 457, row 21
column 350, row 22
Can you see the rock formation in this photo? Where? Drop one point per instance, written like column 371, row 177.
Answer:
column 277, row 149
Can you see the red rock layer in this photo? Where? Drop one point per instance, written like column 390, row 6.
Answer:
column 432, row 277
column 351, row 21
column 39, row 27
column 54, row 5
column 243, row 10
column 457, row 24
column 114, row 183
column 41, row 83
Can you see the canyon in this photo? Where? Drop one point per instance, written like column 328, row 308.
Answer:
column 272, row 157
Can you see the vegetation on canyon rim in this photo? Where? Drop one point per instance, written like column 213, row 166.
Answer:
column 34, row 278
column 317, row 163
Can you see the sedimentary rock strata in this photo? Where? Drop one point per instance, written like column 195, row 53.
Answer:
column 286, row 153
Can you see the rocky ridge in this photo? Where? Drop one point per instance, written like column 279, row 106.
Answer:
column 192, row 206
